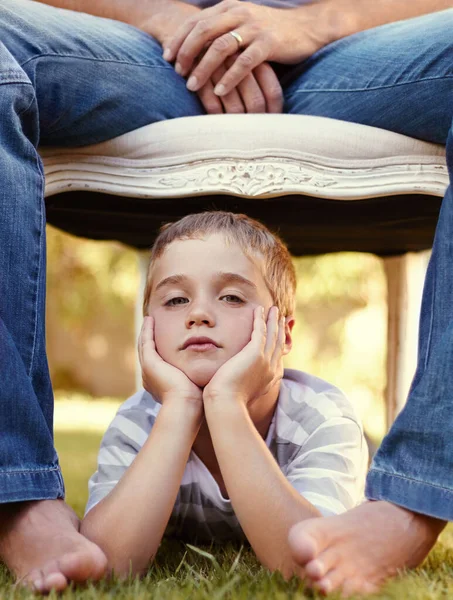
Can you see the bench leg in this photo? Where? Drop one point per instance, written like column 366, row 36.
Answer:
column 405, row 275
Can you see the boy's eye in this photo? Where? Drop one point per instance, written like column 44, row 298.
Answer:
column 232, row 299
column 176, row 301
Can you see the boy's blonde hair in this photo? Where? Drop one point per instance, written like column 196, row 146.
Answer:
column 253, row 238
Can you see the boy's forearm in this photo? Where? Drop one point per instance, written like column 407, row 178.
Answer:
column 129, row 523
column 258, row 490
column 346, row 17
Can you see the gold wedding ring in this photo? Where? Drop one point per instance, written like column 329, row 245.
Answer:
column 238, row 38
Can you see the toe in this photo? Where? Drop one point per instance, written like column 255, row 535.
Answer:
column 331, row 582
column 315, row 569
column 81, row 566
column 303, row 544
column 351, row 587
column 327, row 560
column 33, row 580
column 54, row 581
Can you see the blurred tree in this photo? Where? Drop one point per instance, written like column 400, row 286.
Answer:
column 92, row 288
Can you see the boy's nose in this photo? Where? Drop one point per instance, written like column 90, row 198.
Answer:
column 199, row 322
column 200, row 316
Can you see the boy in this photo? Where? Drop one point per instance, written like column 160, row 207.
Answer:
column 222, row 444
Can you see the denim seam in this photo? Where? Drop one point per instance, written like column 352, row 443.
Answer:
column 433, row 485
column 13, row 76
column 40, row 195
column 24, row 110
column 95, row 59
column 369, row 89
column 431, row 327
column 25, row 471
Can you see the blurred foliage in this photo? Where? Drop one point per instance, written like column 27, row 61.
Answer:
column 82, row 274
column 341, row 328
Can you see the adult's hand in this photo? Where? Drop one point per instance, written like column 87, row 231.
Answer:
column 269, row 34
column 161, row 23
column 258, row 92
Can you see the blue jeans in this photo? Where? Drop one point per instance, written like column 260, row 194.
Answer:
column 72, row 79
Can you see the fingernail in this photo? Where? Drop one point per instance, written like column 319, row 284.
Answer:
column 192, row 84
column 167, row 54
column 219, row 90
column 178, row 68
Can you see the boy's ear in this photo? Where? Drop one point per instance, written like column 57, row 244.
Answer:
column 289, row 324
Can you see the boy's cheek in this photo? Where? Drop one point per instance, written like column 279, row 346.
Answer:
column 161, row 333
column 243, row 329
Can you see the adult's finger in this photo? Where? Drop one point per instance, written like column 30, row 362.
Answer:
column 216, row 54
column 232, row 102
column 252, row 95
column 205, row 33
column 246, row 62
column 270, row 87
column 207, row 21
column 212, row 103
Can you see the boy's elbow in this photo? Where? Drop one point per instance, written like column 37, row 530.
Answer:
column 123, row 564
column 120, row 562
column 123, row 567
column 282, row 563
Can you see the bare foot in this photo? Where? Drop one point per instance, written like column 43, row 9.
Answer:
column 41, row 544
column 357, row 551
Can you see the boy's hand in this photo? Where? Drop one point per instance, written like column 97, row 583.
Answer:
column 257, row 367
column 161, row 379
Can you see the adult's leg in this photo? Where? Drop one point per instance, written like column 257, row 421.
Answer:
column 65, row 78
column 397, row 77
column 407, row 86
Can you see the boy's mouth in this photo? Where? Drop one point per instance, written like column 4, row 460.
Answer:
column 199, row 344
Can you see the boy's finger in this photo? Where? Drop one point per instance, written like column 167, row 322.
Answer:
column 146, row 338
column 272, row 331
column 140, row 342
column 259, row 327
column 280, row 343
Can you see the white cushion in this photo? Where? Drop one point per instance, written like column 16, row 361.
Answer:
column 251, row 155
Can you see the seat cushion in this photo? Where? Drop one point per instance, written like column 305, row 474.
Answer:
column 287, row 170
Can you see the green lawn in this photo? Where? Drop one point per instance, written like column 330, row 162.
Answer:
column 181, row 572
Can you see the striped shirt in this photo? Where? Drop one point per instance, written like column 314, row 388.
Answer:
column 314, row 436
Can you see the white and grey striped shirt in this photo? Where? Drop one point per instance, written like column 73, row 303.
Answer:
column 314, row 436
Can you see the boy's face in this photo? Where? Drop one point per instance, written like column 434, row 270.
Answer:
column 204, row 288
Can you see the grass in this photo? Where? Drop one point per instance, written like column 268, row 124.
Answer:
column 182, row 572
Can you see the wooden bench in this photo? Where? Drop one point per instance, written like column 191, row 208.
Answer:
column 324, row 185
